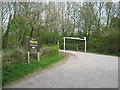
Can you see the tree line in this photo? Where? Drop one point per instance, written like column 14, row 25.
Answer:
column 51, row 21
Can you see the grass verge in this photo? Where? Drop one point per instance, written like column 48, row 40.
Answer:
column 16, row 71
column 103, row 53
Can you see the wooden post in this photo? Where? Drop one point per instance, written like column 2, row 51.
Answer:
column 38, row 54
column 77, row 47
column 58, row 44
column 28, row 57
column 85, row 43
column 64, row 43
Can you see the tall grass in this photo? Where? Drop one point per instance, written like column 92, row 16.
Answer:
column 15, row 65
column 16, row 71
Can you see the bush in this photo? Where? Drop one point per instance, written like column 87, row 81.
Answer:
column 49, row 38
column 13, row 56
column 50, row 51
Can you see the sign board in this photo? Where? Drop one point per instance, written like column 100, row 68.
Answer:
column 33, row 43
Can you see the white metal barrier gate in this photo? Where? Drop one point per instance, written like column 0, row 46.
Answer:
column 76, row 39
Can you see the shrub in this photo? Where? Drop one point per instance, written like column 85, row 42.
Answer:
column 13, row 56
column 49, row 37
column 50, row 51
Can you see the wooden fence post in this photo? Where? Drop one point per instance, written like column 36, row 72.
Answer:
column 38, row 54
column 28, row 57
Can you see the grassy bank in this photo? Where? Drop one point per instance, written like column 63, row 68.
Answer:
column 103, row 53
column 16, row 71
column 95, row 52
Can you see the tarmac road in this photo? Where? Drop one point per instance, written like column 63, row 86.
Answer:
column 81, row 70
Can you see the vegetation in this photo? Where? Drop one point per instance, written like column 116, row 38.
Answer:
column 15, row 65
column 50, row 51
column 16, row 71
column 15, row 56
column 99, row 22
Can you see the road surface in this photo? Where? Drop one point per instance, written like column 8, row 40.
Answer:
column 81, row 70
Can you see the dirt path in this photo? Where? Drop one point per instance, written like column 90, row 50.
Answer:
column 81, row 70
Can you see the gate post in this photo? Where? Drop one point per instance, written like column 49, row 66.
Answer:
column 85, row 43
column 64, row 43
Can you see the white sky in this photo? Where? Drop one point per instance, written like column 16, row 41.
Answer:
column 59, row 0
column 103, row 20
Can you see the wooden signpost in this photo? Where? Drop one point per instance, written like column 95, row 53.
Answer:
column 33, row 43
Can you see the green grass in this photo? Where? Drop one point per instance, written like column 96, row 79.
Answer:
column 103, row 53
column 0, row 78
column 16, row 71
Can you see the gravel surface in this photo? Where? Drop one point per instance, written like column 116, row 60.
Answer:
column 81, row 70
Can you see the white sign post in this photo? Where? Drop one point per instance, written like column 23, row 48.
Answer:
column 58, row 44
column 85, row 43
column 76, row 39
column 64, row 43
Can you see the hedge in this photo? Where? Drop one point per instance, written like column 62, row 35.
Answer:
column 15, row 56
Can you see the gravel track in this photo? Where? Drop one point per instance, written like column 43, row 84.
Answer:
column 81, row 70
